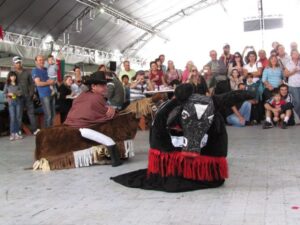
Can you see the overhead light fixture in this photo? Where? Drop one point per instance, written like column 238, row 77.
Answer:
column 48, row 38
column 102, row 10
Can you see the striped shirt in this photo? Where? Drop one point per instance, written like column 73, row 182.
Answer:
column 137, row 93
column 273, row 76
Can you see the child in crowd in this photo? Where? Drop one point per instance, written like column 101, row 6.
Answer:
column 235, row 79
column 126, row 85
column 52, row 72
column 13, row 93
column 277, row 103
column 255, row 110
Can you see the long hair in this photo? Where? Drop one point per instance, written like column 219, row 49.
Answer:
column 277, row 62
column 248, row 55
column 11, row 74
column 240, row 56
column 233, row 71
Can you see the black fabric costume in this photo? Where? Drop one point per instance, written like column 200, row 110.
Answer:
column 64, row 103
column 190, row 167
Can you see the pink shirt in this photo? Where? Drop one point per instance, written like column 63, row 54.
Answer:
column 185, row 75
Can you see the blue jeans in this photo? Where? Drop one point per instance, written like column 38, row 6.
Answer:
column 295, row 92
column 245, row 111
column 28, row 103
column 48, row 105
column 14, row 115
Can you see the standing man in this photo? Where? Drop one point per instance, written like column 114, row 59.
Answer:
column 43, row 83
column 263, row 59
column 162, row 60
column 226, row 57
column 292, row 72
column 127, row 70
column 283, row 57
column 27, row 87
column 220, row 83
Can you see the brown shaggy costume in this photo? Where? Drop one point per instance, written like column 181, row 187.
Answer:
column 57, row 144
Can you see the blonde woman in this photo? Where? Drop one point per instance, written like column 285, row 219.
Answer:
column 187, row 71
column 198, row 82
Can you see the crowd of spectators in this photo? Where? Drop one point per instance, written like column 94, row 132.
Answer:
column 274, row 81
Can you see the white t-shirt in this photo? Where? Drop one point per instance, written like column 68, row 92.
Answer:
column 294, row 80
column 253, row 69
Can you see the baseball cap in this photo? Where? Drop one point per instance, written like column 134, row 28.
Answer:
column 17, row 59
column 226, row 45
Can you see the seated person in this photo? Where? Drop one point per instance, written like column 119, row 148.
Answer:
column 277, row 103
column 198, row 82
column 255, row 109
column 125, row 80
column 156, row 76
column 235, row 79
column 126, row 85
column 90, row 108
column 239, row 114
column 115, row 91
column 286, row 109
column 139, row 85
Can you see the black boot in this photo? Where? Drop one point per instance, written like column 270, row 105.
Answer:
column 114, row 155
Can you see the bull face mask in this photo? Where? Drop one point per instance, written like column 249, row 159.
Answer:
column 196, row 116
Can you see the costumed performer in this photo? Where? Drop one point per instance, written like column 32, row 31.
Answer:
column 90, row 108
column 188, row 143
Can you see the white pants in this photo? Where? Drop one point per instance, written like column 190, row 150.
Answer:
column 96, row 136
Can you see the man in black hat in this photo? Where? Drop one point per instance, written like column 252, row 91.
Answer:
column 90, row 108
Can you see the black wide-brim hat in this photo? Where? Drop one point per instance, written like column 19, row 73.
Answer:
column 98, row 77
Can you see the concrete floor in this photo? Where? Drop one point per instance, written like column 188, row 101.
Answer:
column 263, row 188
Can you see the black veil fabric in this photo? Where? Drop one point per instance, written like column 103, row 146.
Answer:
column 139, row 179
column 214, row 152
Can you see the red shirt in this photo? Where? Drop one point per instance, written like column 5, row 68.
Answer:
column 159, row 81
column 264, row 62
column 278, row 104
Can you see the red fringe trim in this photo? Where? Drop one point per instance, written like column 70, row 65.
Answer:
column 188, row 165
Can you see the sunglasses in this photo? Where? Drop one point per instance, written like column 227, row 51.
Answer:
column 194, row 70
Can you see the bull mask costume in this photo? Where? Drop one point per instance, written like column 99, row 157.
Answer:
column 188, row 143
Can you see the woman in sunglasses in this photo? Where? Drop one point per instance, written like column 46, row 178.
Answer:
column 198, row 82
column 237, row 64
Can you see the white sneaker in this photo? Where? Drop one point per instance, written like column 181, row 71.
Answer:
column 12, row 137
column 36, row 132
column 18, row 137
